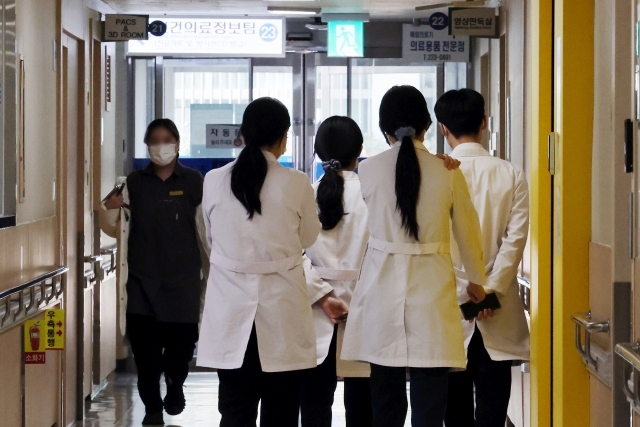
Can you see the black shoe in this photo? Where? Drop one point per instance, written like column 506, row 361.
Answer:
column 174, row 401
column 154, row 419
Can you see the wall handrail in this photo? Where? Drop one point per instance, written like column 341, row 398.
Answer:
column 17, row 303
column 35, row 281
column 584, row 320
column 525, row 292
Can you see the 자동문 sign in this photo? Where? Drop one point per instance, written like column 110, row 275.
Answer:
column 476, row 22
column 126, row 27
column 425, row 44
column 224, row 136
column 228, row 37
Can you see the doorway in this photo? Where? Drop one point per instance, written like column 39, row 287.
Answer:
column 196, row 92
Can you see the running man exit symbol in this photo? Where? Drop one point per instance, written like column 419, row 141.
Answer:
column 346, row 39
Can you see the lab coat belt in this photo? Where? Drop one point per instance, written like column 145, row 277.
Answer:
column 409, row 248
column 337, row 274
column 256, row 267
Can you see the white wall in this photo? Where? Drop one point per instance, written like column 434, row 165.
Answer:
column 40, row 106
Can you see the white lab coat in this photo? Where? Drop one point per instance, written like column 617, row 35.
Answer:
column 334, row 265
column 404, row 310
column 501, row 197
column 256, row 272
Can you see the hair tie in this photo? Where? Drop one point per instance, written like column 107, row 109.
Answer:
column 332, row 164
column 405, row 131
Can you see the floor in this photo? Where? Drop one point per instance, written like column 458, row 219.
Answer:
column 119, row 404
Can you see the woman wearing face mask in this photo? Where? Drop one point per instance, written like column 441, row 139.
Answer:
column 158, row 206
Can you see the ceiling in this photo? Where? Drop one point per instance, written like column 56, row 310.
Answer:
column 380, row 9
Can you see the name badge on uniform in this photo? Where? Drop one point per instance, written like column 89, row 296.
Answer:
column 176, row 193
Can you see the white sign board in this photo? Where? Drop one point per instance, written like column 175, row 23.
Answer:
column 126, row 27
column 216, row 37
column 224, row 136
column 425, row 44
column 477, row 22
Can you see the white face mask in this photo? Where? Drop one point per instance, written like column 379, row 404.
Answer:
column 162, row 154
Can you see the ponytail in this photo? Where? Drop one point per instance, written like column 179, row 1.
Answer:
column 247, row 178
column 404, row 114
column 338, row 144
column 264, row 123
column 408, row 180
column 329, row 196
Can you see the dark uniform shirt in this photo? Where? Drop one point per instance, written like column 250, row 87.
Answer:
column 164, row 257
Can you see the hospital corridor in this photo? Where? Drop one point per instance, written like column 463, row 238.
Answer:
column 319, row 213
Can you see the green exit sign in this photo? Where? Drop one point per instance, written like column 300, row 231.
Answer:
column 346, row 39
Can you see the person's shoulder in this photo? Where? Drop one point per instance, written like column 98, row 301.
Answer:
column 501, row 166
column 192, row 173
column 376, row 160
column 134, row 177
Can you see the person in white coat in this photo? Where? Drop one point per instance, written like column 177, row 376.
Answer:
column 257, row 327
column 404, row 311
column 332, row 273
column 500, row 194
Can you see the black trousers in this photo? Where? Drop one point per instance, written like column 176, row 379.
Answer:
column 428, row 388
column 492, row 382
column 242, row 389
column 318, row 387
column 160, row 347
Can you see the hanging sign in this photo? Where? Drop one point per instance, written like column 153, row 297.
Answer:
column 54, row 323
column 34, row 342
column 475, row 21
column 432, row 43
column 126, row 27
column 227, row 37
column 224, row 136
column 345, row 39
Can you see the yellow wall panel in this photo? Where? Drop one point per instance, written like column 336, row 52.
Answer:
column 541, row 25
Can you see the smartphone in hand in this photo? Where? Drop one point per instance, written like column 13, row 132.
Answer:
column 470, row 310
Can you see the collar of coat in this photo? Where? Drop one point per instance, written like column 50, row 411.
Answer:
column 469, row 149
column 178, row 171
column 416, row 143
column 271, row 158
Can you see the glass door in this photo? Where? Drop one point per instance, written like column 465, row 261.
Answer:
column 196, row 92
column 281, row 78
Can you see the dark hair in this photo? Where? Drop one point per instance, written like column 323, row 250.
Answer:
column 162, row 123
column 461, row 111
column 264, row 123
column 405, row 107
column 339, row 142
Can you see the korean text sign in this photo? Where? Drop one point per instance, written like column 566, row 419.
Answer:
column 216, row 37
column 34, row 342
column 477, row 22
column 224, row 136
column 426, row 44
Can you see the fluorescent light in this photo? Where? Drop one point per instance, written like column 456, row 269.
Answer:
column 468, row 3
column 282, row 10
column 433, row 6
column 362, row 17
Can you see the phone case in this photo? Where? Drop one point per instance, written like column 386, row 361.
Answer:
column 470, row 310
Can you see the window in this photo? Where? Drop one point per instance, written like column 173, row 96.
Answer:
column 372, row 78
